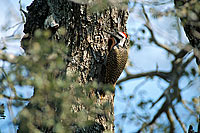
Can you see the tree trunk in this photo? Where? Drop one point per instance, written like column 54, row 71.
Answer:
column 85, row 38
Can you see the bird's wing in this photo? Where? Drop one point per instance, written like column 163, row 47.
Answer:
column 116, row 61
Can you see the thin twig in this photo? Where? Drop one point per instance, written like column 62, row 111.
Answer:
column 148, row 25
column 14, row 98
column 10, row 84
column 179, row 120
column 164, row 108
column 154, row 103
column 20, row 23
column 171, row 121
column 186, row 107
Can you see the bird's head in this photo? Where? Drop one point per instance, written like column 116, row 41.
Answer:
column 116, row 39
column 122, row 37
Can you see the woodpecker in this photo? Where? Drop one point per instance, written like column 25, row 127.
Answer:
column 116, row 58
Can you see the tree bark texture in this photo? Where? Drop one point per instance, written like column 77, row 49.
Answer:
column 188, row 11
column 84, row 36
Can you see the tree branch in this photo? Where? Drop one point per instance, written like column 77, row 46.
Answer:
column 160, row 74
column 171, row 121
column 148, row 25
column 184, row 51
column 186, row 107
column 14, row 98
column 178, row 119
column 164, row 108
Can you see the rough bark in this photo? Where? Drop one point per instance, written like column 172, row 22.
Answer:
column 85, row 39
column 188, row 11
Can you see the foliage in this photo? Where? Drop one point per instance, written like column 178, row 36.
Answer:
column 59, row 101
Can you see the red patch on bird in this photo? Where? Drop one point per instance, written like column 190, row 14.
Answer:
column 124, row 34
